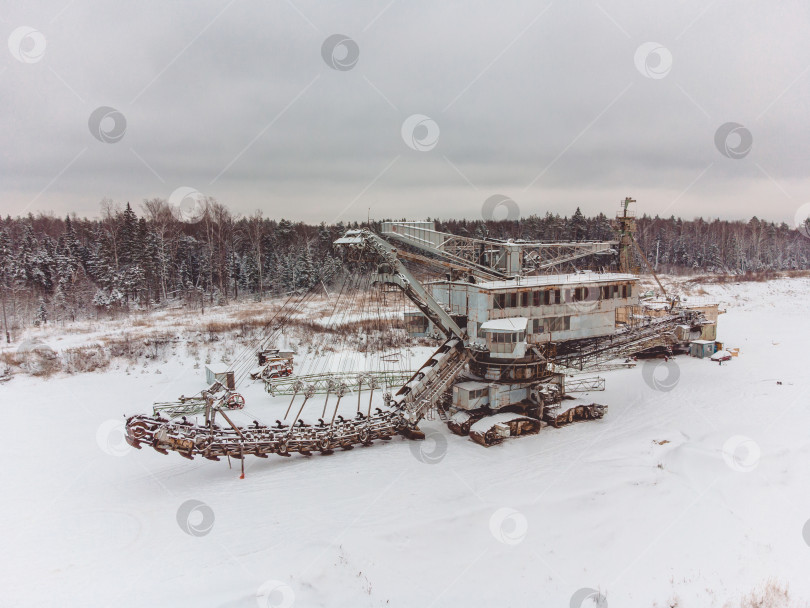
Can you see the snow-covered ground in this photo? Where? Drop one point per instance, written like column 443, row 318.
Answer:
column 692, row 491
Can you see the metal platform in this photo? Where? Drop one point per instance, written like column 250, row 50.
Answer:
column 584, row 385
column 175, row 409
column 351, row 380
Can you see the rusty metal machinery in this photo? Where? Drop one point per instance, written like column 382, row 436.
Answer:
column 491, row 258
column 426, row 390
column 213, row 441
column 407, row 408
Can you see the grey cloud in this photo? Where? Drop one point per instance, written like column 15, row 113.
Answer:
column 515, row 96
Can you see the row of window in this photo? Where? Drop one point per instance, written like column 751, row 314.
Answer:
column 541, row 326
column 507, row 338
column 547, row 297
column 608, row 292
column 527, row 298
column 538, row 326
column 478, row 393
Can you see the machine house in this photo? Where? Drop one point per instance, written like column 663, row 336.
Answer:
column 508, row 316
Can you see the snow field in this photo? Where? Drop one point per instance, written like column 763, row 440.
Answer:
column 691, row 491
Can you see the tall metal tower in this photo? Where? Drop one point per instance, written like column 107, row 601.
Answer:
column 625, row 225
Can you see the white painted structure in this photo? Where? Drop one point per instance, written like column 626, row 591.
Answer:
column 554, row 307
column 472, row 394
column 505, row 338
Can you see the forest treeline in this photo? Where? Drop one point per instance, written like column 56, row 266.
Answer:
column 62, row 269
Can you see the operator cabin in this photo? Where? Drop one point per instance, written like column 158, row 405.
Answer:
column 508, row 316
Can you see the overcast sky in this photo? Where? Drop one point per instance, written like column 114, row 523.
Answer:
column 423, row 108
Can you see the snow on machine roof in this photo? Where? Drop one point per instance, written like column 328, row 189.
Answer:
column 559, row 279
column 509, row 324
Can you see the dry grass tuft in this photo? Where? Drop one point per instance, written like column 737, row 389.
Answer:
column 157, row 335
column 749, row 277
column 771, row 595
column 85, row 359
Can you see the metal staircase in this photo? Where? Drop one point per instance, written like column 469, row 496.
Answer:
column 433, row 390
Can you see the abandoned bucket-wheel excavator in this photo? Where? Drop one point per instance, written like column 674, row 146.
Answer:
column 516, row 332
